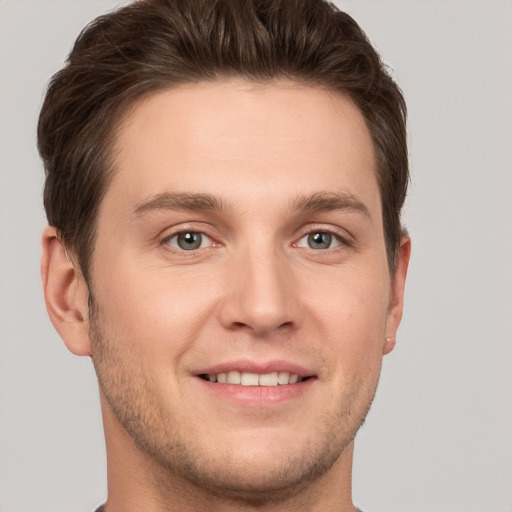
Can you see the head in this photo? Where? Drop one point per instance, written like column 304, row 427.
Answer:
column 227, row 181
column 154, row 45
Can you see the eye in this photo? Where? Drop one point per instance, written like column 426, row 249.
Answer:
column 189, row 240
column 319, row 240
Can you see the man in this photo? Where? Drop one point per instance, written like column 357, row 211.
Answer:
column 224, row 187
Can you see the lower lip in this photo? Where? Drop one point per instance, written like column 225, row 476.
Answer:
column 259, row 396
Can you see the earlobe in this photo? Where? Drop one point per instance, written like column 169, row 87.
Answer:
column 389, row 345
column 396, row 301
column 65, row 293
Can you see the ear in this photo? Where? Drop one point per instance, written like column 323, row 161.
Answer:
column 66, row 294
column 396, row 300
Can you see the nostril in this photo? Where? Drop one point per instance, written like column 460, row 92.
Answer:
column 261, row 328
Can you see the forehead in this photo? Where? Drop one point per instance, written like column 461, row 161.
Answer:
column 243, row 139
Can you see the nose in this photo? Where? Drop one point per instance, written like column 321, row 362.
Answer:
column 260, row 297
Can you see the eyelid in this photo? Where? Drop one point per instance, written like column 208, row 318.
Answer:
column 204, row 239
column 344, row 237
column 170, row 233
column 336, row 238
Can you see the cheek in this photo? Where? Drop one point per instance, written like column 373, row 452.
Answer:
column 352, row 317
column 150, row 308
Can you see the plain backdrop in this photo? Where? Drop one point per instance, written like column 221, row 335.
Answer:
column 439, row 436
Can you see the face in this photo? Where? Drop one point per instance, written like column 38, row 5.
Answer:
column 241, row 292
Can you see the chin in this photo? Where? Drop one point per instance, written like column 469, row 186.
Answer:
column 258, row 478
column 260, row 468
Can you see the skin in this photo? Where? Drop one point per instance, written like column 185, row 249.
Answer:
column 278, row 163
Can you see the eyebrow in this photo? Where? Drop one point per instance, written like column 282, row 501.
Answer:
column 180, row 201
column 329, row 201
column 317, row 202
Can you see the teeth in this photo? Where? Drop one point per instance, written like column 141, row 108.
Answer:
column 254, row 379
column 268, row 379
column 283, row 378
column 249, row 379
column 234, row 377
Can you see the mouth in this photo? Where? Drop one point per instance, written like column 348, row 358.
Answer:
column 256, row 384
column 271, row 379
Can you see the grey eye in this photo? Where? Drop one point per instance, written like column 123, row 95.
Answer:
column 188, row 240
column 319, row 240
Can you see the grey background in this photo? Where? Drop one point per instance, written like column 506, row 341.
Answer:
column 439, row 436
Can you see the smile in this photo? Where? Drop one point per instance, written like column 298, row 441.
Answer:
column 254, row 379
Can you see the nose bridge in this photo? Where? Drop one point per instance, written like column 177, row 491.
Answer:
column 261, row 296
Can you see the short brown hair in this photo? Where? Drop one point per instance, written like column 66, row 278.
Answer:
column 150, row 45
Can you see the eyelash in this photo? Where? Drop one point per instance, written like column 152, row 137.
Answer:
column 341, row 241
column 166, row 242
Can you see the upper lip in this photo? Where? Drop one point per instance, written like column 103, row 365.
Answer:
column 259, row 367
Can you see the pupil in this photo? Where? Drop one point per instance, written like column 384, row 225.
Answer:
column 320, row 240
column 189, row 241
